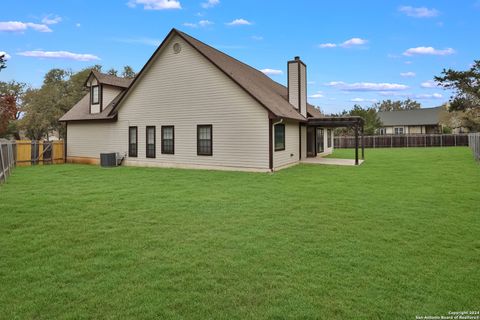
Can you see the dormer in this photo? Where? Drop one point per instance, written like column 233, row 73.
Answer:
column 103, row 89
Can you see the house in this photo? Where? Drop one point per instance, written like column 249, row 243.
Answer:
column 192, row 106
column 417, row 121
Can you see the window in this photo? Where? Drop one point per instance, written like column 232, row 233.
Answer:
column 329, row 138
column 279, row 137
column 95, row 94
column 398, row 130
column 168, row 139
column 382, row 131
column 150, row 134
column 132, row 141
column 204, row 140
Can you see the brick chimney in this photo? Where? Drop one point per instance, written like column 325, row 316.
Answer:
column 297, row 85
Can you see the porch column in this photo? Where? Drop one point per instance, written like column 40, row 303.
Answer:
column 356, row 144
column 363, row 142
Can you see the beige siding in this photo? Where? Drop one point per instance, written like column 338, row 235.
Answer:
column 186, row 90
column 290, row 154
column 293, row 83
column 303, row 90
column 304, row 142
column 89, row 139
column 108, row 94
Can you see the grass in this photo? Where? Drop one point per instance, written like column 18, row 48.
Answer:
column 394, row 238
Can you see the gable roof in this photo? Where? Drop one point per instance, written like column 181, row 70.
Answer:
column 108, row 79
column 270, row 94
column 417, row 117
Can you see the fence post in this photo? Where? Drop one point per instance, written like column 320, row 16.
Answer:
column 407, row 140
column 441, row 140
column 391, row 141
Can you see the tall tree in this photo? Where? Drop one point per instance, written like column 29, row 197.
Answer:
column 128, row 72
column 389, row 105
column 369, row 115
column 11, row 100
column 466, row 86
column 3, row 61
column 112, row 72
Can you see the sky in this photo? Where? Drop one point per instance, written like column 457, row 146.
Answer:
column 357, row 52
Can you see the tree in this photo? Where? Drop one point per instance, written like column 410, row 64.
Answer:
column 128, row 72
column 112, row 72
column 466, row 86
column 389, row 105
column 369, row 115
column 11, row 104
column 3, row 61
column 61, row 90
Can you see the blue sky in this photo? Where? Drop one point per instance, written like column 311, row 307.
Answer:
column 356, row 51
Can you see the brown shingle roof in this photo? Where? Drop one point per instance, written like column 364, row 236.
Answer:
column 104, row 78
column 270, row 94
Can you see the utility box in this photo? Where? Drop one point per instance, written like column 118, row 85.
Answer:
column 108, row 159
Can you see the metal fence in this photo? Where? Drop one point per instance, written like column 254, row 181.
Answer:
column 474, row 144
column 405, row 141
column 7, row 159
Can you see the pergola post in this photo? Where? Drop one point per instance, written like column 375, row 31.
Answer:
column 356, row 144
column 363, row 141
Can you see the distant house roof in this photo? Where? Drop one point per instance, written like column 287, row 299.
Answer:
column 417, row 117
column 270, row 94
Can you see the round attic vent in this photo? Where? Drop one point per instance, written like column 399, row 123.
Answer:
column 177, row 48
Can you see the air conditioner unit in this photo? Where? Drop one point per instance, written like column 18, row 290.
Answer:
column 111, row 159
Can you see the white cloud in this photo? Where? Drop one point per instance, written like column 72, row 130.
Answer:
column 420, row 12
column 366, row 86
column 78, row 25
column 353, row 42
column 59, row 55
column 204, row 23
column 317, row 95
column 363, row 100
column 408, row 62
column 201, row 23
column 156, row 4
column 428, row 51
column 412, row 96
column 346, row 44
column 18, row 26
column 272, row 71
column 210, row 4
column 429, row 84
column 6, row 55
column 327, row 45
column 51, row 19
column 239, row 22
column 257, row 38
column 428, row 96
column 408, row 74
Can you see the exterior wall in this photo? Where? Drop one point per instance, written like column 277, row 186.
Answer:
column 86, row 140
column 415, row 129
column 109, row 93
column 303, row 89
column 186, row 90
column 406, row 129
column 290, row 155
column 304, row 141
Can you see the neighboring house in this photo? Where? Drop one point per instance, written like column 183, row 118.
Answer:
column 418, row 121
column 192, row 106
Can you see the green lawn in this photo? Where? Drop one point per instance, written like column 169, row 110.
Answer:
column 396, row 237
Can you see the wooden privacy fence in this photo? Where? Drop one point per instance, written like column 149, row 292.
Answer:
column 39, row 152
column 474, row 144
column 7, row 159
column 405, row 141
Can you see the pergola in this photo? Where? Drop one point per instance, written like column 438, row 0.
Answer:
column 355, row 122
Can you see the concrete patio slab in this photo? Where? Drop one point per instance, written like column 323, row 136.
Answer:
column 331, row 161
